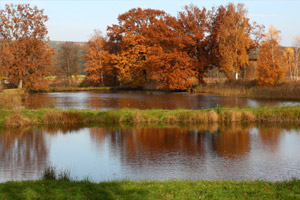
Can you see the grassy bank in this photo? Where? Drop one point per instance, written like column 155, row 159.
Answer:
column 285, row 91
column 22, row 117
column 47, row 189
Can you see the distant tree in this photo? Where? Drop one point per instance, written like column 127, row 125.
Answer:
column 271, row 64
column 29, row 57
column 68, row 60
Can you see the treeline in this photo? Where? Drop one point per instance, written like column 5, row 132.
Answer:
column 176, row 52
column 147, row 46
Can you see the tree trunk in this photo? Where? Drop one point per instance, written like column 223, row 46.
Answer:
column 102, row 79
column 236, row 75
column 20, row 84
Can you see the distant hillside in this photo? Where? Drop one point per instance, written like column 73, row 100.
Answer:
column 56, row 44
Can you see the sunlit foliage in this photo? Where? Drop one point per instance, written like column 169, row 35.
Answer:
column 27, row 55
column 271, row 64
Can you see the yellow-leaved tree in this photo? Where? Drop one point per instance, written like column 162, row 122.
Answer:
column 233, row 38
column 290, row 57
column 297, row 56
column 272, row 65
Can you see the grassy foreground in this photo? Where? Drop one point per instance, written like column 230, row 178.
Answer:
column 47, row 189
column 22, row 117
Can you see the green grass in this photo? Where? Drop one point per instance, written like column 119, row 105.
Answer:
column 19, row 117
column 51, row 189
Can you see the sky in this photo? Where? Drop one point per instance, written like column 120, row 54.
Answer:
column 76, row 20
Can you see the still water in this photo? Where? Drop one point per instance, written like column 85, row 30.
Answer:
column 143, row 153
column 142, row 100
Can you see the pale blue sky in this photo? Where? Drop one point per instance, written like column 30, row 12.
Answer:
column 75, row 20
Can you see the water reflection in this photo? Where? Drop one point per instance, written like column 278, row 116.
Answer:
column 23, row 154
column 141, row 100
column 197, row 153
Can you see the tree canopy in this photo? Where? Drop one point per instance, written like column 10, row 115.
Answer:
column 27, row 57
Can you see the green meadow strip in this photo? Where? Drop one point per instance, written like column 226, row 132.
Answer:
column 22, row 117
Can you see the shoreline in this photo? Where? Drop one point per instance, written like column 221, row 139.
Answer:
column 285, row 91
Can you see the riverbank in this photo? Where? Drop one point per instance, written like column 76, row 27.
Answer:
column 284, row 91
column 53, row 189
column 263, row 115
column 78, row 89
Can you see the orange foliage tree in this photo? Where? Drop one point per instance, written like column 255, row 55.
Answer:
column 194, row 23
column 148, row 46
column 97, row 59
column 5, row 58
column 271, row 63
column 30, row 57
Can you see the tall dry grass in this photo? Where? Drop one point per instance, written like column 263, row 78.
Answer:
column 56, row 117
column 11, row 98
column 16, row 119
column 286, row 90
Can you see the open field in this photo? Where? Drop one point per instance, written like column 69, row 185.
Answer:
column 59, row 189
column 24, row 117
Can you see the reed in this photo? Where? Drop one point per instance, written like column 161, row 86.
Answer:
column 16, row 119
column 286, row 90
column 51, row 173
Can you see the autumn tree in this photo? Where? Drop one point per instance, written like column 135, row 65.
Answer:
column 128, row 40
column 195, row 27
column 24, row 31
column 5, row 58
column 148, row 46
column 297, row 56
column 271, row 63
column 290, row 58
column 231, row 31
column 68, row 60
column 98, row 61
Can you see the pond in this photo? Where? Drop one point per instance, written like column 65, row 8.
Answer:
column 142, row 100
column 147, row 153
